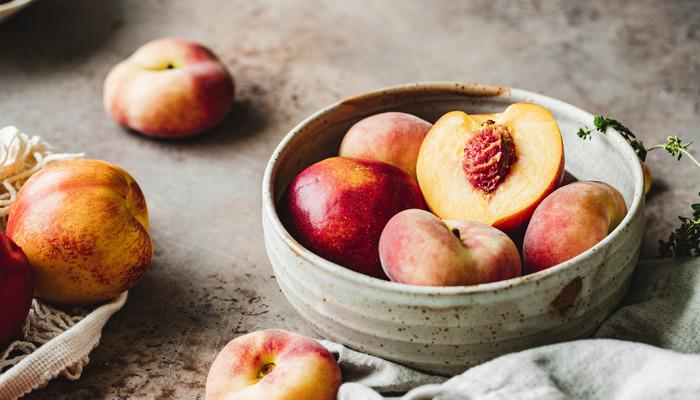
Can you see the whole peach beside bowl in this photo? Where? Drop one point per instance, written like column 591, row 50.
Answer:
column 447, row 329
column 169, row 88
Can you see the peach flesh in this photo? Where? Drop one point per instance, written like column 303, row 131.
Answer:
column 15, row 289
column 570, row 221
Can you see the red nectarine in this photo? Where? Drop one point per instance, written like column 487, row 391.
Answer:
column 338, row 207
column 15, row 289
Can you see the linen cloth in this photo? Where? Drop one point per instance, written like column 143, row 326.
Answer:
column 649, row 348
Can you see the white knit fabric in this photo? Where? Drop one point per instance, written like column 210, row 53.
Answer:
column 53, row 342
column 64, row 354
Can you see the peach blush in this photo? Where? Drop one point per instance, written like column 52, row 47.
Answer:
column 417, row 248
column 392, row 137
column 273, row 365
column 467, row 170
column 570, row 221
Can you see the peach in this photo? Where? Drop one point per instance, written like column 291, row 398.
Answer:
column 417, row 248
column 570, row 221
column 338, row 207
column 492, row 170
column 273, row 365
column 648, row 179
column 392, row 137
column 169, row 88
column 83, row 225
column 15, row 289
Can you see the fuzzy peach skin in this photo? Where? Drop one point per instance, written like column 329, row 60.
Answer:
column 392, row 137
column 15, row 289
column 169, row 88
column 417, row 248
column 338, row 207
column 570, row 221
column 273, row 365
column 83, row 224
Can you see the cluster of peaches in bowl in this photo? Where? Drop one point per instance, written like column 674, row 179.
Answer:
column 428, row 224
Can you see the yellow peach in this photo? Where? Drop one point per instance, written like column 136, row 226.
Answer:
column 83, row 225
column 273, row 365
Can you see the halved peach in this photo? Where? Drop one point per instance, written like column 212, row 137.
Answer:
column 491, row 168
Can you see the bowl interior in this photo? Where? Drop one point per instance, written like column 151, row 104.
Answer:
column 603, row 157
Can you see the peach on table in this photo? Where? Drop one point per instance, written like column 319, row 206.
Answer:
column 169, row 88
column 417, row 248
column 83, row 225
column 273, row 365
column 570, row 221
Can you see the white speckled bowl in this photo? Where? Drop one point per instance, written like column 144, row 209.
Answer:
column 7, row 9
column 447, row 329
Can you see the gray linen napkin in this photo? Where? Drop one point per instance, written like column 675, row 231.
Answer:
column 647, row 349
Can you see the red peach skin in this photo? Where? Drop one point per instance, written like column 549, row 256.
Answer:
column 338, row 207
column 83, row 225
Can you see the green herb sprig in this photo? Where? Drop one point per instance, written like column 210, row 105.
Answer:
column 685, row 240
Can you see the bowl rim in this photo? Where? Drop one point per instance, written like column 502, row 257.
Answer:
column 470, row 90
column 13, row 4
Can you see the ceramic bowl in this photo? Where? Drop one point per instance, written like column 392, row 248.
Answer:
column 7, row 9
column 445, row 330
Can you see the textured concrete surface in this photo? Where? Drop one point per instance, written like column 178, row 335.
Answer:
column 210, row 280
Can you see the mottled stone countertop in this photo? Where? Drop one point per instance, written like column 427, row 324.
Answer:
column 210, row 279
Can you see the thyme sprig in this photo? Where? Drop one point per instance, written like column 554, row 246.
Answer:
column 685, row 240
column 602, row 124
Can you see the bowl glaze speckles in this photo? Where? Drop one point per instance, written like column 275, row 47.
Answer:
column 448, row 329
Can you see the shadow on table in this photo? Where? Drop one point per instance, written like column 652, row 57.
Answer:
column 243, row 122
column 51, row 35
